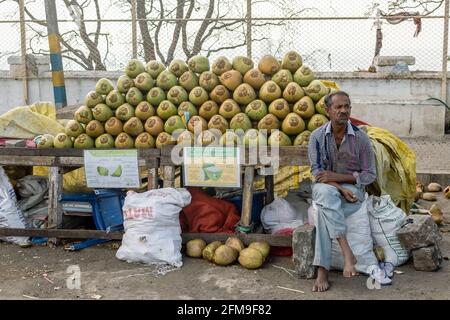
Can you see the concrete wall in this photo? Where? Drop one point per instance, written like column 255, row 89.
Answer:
column 397, row 104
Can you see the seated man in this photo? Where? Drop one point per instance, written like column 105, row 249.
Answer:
column 343, row 163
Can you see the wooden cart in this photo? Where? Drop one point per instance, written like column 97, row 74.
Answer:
column 60, row 161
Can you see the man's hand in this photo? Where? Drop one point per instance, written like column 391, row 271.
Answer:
column 348, row 195
column 327, row 177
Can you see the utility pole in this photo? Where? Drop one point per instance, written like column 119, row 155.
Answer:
column 249, row 29
column 59, row 87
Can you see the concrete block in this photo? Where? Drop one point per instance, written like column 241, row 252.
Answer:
column 420, row 231
column 382, row 61
column 427, row 259
column 303, row 249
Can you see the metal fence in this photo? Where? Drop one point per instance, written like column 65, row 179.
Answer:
column 326, row 43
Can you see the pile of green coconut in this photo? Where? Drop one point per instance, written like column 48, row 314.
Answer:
column 224, row 254
column 228, row 102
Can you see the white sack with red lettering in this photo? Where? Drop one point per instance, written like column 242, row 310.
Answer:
column 152, row 226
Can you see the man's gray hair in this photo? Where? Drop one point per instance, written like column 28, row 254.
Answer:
column 329, row 98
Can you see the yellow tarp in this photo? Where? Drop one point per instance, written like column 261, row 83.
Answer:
column 396, row 167
column 29, row 121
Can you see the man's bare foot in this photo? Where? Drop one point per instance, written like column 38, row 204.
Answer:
column 321, row 283
column 349, row 267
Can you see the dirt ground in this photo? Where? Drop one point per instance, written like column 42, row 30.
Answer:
column 42, row 273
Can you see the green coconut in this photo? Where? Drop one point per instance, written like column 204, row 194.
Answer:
column 125, row 112
column 83, row 141
column 251, row 258
column 256, row 110
column 174, row 123
column 231, row 79
column 197, row 123
column 133, row 127
column 224, row 255
column 242, row 64
column 185, row 138
column 124, row 83
column 321, row 106
column 44, row 141
column 230, row 139
column 62, row 141
column 105, row 141
column 304, row 76
column 283, row 78
column 178, row 67
column 316, row 121
column 208, row 80
column 269, row 65
column 244, row 94
column 166, row 109
column 254, row 138
column 144, row 110
column 188, row 80
column 198, row 64
column 208, row 110
column 102, row 112
column 261, row 246
column 279, row 108
column 124, row 141
column 155, row 96
column 92, row 99
column 198, row 96
column 154, row 126
column 177, row 95
column 235, row 243
column 210, row 137
column 304, row 107
column 240, row 121
column 113, row 126
column 166, row 80
column 104, row 86
column 208, row 251
column 83, row 115
column 134, row 68
column 195, row 247
column 279, row 138
column 302, row 139
column 221, row 65
column 229, row 109
column 94, row 129
column 316, row 90
column 114, row 99
column 144, row 141
column 218, row 122
column 292, row 61
column 270, row 91
column 73, row 128
column 144, row 82
column 255, row 78
column 134, row 96
column 164, row 139
column 219, row 94
column 188, row 107
column 293, row 92
column 293, row 124
column 154, row 68
column 269, row 123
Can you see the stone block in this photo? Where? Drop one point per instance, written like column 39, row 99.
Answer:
column 303, row 248
column 419, row 231
column 427, row 259
column 383, row 61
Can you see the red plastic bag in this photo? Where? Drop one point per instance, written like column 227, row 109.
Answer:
column 282, row 251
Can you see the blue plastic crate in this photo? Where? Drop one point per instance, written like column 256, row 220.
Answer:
column 106, row 206
column 257, row 205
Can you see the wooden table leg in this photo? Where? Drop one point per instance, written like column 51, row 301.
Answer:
column 269, row 189
column 247, row 197
column 169, row 176
column 152, row 178
column 55, row 213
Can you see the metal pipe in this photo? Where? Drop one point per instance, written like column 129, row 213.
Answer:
column 59, row 87
column 248, row 37
column 134, row 27
column 23, row 49
column 445, row 54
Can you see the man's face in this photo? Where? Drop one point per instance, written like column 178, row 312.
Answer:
column 340, row 110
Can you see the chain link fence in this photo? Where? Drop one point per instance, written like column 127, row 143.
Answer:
column 326, row 43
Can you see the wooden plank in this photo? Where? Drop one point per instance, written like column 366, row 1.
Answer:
column 152, row 178
column 12, row 160
column 273, row 240
column 142, row 153
column 247, row 197
column 169, row 176
column 55, row 190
